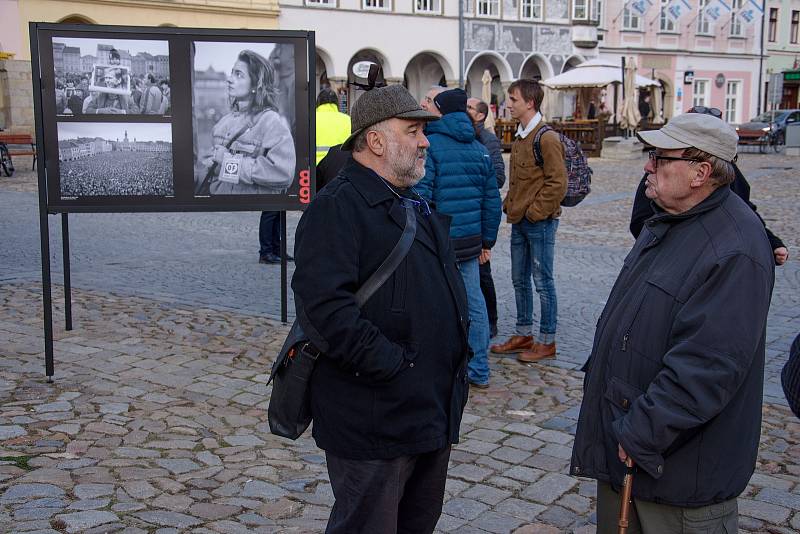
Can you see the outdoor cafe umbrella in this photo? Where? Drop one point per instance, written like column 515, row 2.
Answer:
column 629, row 115
column 658, row 103
column 594, row 73
column 486, row 96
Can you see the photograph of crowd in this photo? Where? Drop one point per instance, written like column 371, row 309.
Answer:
column 115, row 159
column 111, row 76
column 243, row 106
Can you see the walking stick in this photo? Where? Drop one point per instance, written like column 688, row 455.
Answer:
column 625, row 498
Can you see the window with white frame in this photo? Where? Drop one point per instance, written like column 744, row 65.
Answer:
column 580, row 9
column 701, row 93
column 468, row 6
column 383, row 5
column 597, row 12
column 428, row 6
column 321, row 3
column 630, row 20
column 667, row 24
column 795, row 24
column 530, row 9
column 488, row 8
column 736, row 23
column 703, row 24
column 773, row 25
column 733, row 100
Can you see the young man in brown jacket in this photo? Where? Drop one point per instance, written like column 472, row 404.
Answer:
column 532, row 206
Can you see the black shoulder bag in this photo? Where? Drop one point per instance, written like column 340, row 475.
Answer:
column 289, row 412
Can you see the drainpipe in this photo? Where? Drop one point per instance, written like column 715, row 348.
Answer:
column 461, row 42
column 761, row 56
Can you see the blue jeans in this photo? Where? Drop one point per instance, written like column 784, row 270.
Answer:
column 532, row 253
column 478, row 368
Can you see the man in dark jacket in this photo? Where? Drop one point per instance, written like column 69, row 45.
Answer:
column 460, row 180
column 790, row 377
column 643, row 209
column 674, row 381
column 478, row 110
column 389, row 387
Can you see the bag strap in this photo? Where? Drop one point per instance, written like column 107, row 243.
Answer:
column 537, row 144
column 392, row 261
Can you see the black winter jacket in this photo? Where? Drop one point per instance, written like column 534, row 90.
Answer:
column 677, row 366
column 392, row 377
column 492, row 144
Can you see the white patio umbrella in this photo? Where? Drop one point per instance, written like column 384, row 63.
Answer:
column 629, row 115
column 486, row 96
column 594, row 73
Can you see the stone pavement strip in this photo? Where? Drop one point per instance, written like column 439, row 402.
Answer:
column 156, row 421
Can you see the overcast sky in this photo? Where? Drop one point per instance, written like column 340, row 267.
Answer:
column 89, row 46
column 111, row 131
column 222, row 56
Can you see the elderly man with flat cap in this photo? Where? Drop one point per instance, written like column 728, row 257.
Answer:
column 389, row 386
column 674, row 382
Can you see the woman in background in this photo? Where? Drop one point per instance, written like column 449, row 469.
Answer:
column 253, row 147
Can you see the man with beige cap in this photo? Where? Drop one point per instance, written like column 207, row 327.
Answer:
column 674, row 380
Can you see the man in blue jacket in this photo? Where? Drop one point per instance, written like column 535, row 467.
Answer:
column 460, row 180
column 674, row 382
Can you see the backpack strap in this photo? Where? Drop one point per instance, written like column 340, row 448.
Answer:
column 537, row 144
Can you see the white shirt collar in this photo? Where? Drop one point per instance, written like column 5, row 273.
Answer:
column 522, row 133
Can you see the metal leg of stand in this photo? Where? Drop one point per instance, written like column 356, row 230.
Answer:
column 47, row 295
column 67, row 279
column 284, row 271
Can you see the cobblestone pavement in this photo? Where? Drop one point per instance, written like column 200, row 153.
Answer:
column 156, row 421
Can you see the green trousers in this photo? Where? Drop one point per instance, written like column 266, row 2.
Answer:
column 652, row 518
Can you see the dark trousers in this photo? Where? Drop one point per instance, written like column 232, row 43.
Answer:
column 403, row 495
column 489, row 294
column 269, row 233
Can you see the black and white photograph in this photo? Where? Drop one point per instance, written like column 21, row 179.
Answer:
column 243, row 106
column 111, row 76
column 115, row 159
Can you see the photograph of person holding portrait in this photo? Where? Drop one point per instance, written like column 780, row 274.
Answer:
column 252, row 151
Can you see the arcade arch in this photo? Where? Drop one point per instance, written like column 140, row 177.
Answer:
column 425, row 70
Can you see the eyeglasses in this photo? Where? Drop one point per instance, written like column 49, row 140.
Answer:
column 654, row 157
column 714, row 112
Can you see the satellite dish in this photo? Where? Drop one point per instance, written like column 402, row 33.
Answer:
column 361, row 68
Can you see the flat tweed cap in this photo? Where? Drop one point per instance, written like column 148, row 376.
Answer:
column 380, row 104
column 698, row 130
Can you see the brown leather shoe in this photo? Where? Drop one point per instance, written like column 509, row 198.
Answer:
column 540, row 352
column 513, row 345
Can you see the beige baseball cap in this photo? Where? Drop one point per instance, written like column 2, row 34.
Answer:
column 698, row 130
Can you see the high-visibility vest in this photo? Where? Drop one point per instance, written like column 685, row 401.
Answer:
column 333, row 128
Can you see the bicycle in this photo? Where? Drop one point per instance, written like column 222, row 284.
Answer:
column 5, row 160
column 774, row 140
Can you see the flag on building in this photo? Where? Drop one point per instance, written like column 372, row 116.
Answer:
column 640, row 7
column 677, row 8
column 750, row 12
column 717, row 10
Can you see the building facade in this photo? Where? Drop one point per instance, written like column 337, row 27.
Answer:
column 698, row 60
column 782, row 46
column 417, row 41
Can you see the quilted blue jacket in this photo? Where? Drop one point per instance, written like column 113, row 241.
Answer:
column 461, row 182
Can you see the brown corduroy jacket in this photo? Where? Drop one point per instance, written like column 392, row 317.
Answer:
column 536, row 192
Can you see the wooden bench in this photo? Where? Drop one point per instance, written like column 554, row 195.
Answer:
column 21, row 140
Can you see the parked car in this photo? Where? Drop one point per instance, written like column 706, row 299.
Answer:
column 769, row 128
